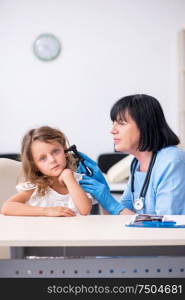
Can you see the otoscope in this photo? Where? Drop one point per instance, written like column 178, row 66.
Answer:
column 80, row 158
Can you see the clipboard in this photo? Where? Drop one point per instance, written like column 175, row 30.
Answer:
column 152, row 221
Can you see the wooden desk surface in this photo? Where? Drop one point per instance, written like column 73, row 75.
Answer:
column 93, row 230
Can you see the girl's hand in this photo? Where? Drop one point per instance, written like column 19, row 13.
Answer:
column 58, row 211
column 65, row 174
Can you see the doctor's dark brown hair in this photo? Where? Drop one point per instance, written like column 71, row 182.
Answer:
column 148, row 115
column 30, row 171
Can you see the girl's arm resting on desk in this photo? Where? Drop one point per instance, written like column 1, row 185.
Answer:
column 80, row 198
column 16, row 206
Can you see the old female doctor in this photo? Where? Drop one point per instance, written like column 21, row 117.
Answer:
column 157, row 180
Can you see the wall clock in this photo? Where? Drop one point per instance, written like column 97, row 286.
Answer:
column 47, row 47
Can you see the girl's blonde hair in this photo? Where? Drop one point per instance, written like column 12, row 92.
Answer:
column 30, row 171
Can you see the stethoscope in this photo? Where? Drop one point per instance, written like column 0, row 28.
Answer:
column 139, row 202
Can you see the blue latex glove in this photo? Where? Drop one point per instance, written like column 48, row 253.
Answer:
column 97, row 174
column 102, row 194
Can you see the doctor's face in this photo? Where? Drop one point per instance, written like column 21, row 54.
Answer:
column 126, row 134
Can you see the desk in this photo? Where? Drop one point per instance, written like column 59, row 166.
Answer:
column 151, row 252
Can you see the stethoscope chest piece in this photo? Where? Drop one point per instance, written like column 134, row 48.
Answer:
column 138, row 203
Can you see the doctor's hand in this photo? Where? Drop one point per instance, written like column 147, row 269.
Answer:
column 97, row 174
column 102, row 194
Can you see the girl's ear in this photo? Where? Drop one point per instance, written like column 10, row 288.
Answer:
column 65, row 148
column 65, row 152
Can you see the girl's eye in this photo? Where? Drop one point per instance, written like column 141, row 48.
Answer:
column 56, row 151
column 42, row 158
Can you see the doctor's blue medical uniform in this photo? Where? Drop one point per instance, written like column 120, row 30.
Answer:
column 166, row 189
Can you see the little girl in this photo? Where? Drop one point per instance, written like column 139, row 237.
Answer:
column 51, row 186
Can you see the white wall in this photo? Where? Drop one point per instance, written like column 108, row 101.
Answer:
column 110, row 48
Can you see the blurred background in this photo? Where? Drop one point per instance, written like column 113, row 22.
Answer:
column 109, row 49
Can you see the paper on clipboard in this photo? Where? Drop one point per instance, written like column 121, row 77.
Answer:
column 179, row 219
column 156, row 221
